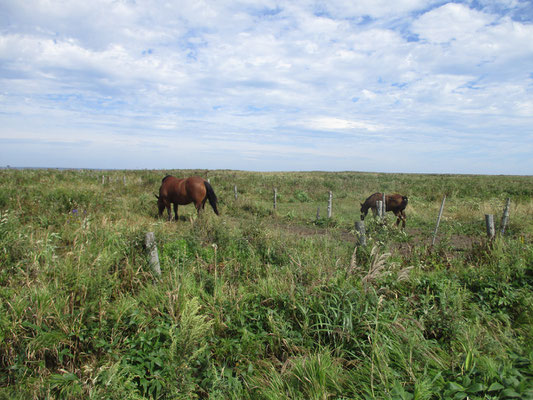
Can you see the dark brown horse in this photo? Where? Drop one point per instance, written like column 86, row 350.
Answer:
column 393, row 202
column 184, row 191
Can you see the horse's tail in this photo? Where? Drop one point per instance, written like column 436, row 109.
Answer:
column 211, row 196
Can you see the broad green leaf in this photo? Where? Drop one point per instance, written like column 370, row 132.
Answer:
column 460, row 395
column 476, row 388
column 455, row 387
column 496, row 386
column 509, row 394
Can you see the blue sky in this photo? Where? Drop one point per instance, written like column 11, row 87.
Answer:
column 369, row 85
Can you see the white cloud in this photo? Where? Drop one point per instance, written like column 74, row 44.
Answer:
column 451, row 22
column 334, row 124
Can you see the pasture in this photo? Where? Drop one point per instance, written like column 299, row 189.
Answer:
column 260, row 303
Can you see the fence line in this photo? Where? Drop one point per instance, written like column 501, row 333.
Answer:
column 380, row 208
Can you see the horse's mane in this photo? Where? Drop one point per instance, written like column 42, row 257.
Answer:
column 168, row 176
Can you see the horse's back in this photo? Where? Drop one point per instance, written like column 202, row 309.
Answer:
column 195, row 187
column 396, row 201
column 183, row 191
column 168, row 185
column 372, row 199
column 393, row 201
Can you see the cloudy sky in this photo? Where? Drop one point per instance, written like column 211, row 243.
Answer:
column 360, row 85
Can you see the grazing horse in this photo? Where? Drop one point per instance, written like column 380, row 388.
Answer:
column 393, row 202
column 184, row 191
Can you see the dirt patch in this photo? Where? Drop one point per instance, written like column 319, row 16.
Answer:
column 456, row 242
column 417, row 237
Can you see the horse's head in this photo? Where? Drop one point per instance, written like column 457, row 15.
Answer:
column 160, row 204
column 364, row 211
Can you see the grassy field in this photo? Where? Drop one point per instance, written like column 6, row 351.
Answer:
column 257, row 304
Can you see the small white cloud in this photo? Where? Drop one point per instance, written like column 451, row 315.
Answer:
column 452, row 21
column 338, row 124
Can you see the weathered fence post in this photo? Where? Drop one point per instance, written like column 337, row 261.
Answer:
column 103, row 179
column 379, row 207
column 360, row 231
column 318, row 213
column 384, row 210
column 235, row 191
column 124, row 180
column 329, row 203
column 275, row 198
column 505, row 216
column 438, row 221
column 152, row 249
column 489, row 222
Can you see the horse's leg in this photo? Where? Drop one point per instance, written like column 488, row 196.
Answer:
column 404, row 218
column 168, row 210
column 199, row 206
column 398, row 217
column 176, row 211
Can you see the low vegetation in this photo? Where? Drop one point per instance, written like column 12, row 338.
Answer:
column 263, row 304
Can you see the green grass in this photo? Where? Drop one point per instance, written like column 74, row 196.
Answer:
column 263, row 304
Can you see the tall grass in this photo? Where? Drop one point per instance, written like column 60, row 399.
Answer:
column 262, row 304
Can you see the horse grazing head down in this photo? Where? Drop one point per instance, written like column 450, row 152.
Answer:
column 184, row 191
column 393, row 202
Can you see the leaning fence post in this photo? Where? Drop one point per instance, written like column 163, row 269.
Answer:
column 489, row 222
column 152, row 249
column 505, row 216
column 275, row 198
column 360, row 231
column 329, row 203
column 438, row 220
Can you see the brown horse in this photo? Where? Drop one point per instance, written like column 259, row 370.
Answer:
column 393, row 202
column 184, row 191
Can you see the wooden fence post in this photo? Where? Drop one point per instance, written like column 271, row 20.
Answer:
column 318, row 213
column 438, row 221
column 489, row 222
column 384, row 210
column 152, row 249
column 275, row 198
column 235, row 191
column 361, row 233
column 379, row 207
column 124, row 180
column 505, row 217
column 329, row 203
column 103, row 179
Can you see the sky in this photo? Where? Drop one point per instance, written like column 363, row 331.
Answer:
column 412, row 86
